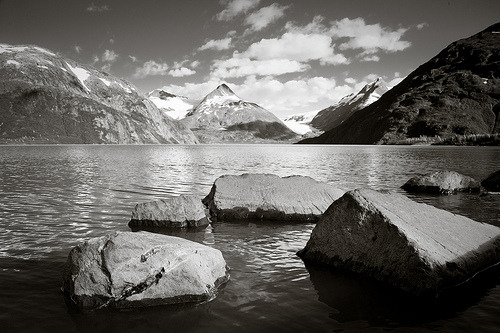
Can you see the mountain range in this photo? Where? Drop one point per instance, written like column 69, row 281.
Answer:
column 46, row 98
column 222, row 116
column 457, row 92
column 315, row 123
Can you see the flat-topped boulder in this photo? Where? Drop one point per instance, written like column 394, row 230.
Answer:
column 270, row 197
column 442, row 182
column 136, row 269
column 412, row 246
column 492, row 182
column 176, row 212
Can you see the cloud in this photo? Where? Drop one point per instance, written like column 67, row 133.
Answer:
column 109, row 56
column 217, row 44
column 181, row 72
column 195, row 64
column 235, row 8
column 371, row 38
column 134, row 59
column 242, row 67
column 422, row 25
column 97, row 8
column 261, row 18
column 150, row 68
column 373, row 57
column 78, row 49
column 296, row 46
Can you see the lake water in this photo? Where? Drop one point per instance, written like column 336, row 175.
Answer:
column 55, row 197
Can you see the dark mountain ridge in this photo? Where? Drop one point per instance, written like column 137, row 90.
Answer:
column 457, row 92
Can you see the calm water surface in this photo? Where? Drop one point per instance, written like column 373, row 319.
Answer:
column 54, row 197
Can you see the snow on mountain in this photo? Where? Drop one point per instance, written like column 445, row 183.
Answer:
column 299, row 123
column 174, row 106
column 334, row 115
column 222, row 116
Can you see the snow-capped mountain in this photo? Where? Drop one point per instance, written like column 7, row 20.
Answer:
column 222, row 116
column 48, row 98
column 174, row 106
column 300, row 123
column 336, row 114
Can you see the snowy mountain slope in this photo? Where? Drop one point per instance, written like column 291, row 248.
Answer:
column 223, row 111
column 300, row 123
column 174, row 106
column 48, row 98
column 334, row 115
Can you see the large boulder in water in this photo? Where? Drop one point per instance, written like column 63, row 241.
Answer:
column 135, row 269
column 270, row 197
column 492, row 182
column 410, row 245
column 443, row 182
column 176, row 212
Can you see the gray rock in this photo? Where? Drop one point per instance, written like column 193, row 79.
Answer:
column 135, row 269
column 410, row 245
column 176, row 212
column 492, row 182
column 443, row 182
column 269, row 197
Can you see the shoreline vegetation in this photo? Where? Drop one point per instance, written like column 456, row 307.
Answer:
column 452, row 140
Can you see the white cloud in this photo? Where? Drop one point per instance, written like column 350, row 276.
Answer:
column 134, row 59
column 422, row 25
column 109, row 56
column 78, row 49
column 261, row 18
column 97, row 8
column 217, row 44
column 372, row 57
column 151, row 68
column 350, row 80
column 181, row 72
column 371, row 38
column 235, row 8
column 296, row 46
column 242, row 67
column 195, row 64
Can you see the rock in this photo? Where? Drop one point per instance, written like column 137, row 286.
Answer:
column 443, row 182
column 269, row 197
column 177, row 212
column 492, row 182
column 412, row 246
column 135, row 269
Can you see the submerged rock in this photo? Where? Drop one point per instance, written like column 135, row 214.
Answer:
column 492, row 182
column 269, row 197
column 177, row 212
column 409, row 245
column 135, row 269
column 443, row 182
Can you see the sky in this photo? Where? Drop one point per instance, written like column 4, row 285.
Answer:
column 288, row 56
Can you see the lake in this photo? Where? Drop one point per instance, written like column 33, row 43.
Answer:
column 55, row 197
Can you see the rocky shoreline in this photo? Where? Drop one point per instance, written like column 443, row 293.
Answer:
column 385, row 236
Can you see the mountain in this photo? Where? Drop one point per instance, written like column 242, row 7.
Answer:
column 174, row 106
column 46, row 98
column 224, row 117
column 455, row 93
column 335, row 115
column 316, row 122
column 300, row 123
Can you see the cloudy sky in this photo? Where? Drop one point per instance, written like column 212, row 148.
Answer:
column 288, row 56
